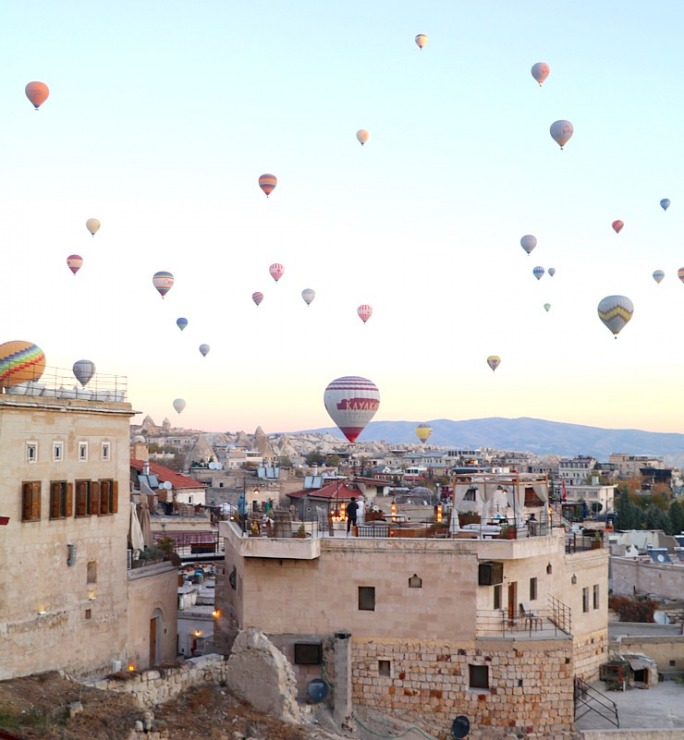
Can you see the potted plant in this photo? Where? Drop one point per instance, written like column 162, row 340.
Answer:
column 507, row 532
column 597, row 542
column 301, row 532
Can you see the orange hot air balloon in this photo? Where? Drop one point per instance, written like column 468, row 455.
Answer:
column 617, row 226
column 267, row 183
column 74, row 262
column 421, row 40
column 362, row 136
column 365, row 312
column 37, row 93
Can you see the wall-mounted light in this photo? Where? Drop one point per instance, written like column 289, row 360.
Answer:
column 131, row 667
column 573, row 579
column 41, row 611
column 198, row 633
column 91, row 596
column 216, row 613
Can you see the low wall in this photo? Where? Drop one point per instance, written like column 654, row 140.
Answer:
column 629, row 734
column 160, row 685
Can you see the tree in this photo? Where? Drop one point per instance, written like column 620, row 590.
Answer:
column 315, row 457
column 629, row 515
column 596, row 507
column 656, row 518
column 676, row 517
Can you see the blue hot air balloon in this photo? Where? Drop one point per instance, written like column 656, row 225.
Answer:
column 84, row 371
column 538, row 272
column 181, row 323
column 665, row 203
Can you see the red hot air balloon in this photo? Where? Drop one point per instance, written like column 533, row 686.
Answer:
column 37, row 93
column 267, row 183
column 276, row 270
column 351, row 402
column 257, row 297
column 74, row 262
column 617, row 226
column 365, row 312
column 163, row 282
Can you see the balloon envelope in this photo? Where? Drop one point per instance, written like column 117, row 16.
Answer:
column 365, row 312
column 423, row 432
column 257, row 297
column 528, row 242
column 37, row 93
column 362, row 135
column 84, row 371
column 308, row 295
column 615, row 311
column 561, row 131
column 552, row 271
column 665, row 203
column 680, row 274
column 179, row 404
column 493, row 361
column 540, row 71
column 276, row 270
column 547, row 306
column 74, row 262
column 93, row 225
column 163, row 282
column 351, row 402
column 20, row 362
column 267, row 183
column 658, row 275
column 204, row 349
column 421, row 40
column 538, row 272
column 617, row 226
column 181, row 323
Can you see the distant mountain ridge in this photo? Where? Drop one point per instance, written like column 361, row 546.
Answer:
column 529, row 435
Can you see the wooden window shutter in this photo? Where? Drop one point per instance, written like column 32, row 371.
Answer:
column 115, row 497
column 26, row 502
column 55, row 496
column 81, row 498
column 69, row 499
column 105, row 497
column 95, row 504
column 35, row 500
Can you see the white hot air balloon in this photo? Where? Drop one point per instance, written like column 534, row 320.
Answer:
column 615, row 311
column 528, row 242
column 308, row 295
column 351, row 402
column 179, row 404
column 561, row 131
column 93, row 226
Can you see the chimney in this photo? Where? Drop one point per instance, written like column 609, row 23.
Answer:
column 146, row 468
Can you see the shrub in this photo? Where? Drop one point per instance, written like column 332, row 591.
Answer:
column 633, row 608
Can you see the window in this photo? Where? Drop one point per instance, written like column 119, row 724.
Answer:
column 91, row 573
column 30, row 501
column 57, row 451
column 585, row 599
column 82, row 505
column 470, row 494
column 308, row 653
column 533, row 589
column 367, row 598
column 31, row 452
column 61, row 499
column 108, row 497
column 478, row 676
column 385, row 668
column 106, row 451
column 415, row 581
column 83, row 451
column 596, row 596
column 88, row 613
column 497, row 597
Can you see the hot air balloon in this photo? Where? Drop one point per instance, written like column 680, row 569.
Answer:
column 351, row 402
column 528, row 242
column 561, row 131
column 658, row 275
column 615, row 311
column 680, row 274
column 538, row 272
column 362, row 135
column 163, row 282
column 179, row 404
column 204, row 349
column 552, row 271
column 547, row 306
column 308, row 295
column 540, row 71
column 181, row 323
column 84, row 371
column 617, row 226
column 665, row 203
column 423, row 432
column 267, row 183
column 93, row 226
column 493, row 361
column 20, row 362
column 74, row 262
column 37, row 93
column 276, row 270
column 421, row 40
column 365, row 312
column 257, row 297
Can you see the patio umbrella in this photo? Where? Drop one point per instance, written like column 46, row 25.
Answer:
column 135, row 535
column 145, row 524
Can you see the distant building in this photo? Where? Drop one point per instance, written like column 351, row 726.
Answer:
column 575, row 471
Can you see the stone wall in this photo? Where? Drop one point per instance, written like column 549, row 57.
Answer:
column 163, row 684
column 530, row 686
column 639, row 577
column 666, row 651
column 591, row 650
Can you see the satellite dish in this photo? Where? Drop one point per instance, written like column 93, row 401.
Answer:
column 212, row 466
column 167, row 485
column 460, row 727
column 317, row 690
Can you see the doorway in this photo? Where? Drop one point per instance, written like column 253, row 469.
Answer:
column 512, row 601
column 155, row 639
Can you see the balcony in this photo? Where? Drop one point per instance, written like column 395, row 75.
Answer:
column 551, row 622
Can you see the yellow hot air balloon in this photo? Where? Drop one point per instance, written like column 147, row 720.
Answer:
column 423, row 432
column 421, row 40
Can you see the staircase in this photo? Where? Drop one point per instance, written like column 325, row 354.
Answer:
column 588, row 699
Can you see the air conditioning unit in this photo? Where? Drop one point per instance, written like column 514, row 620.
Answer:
column 490, row 573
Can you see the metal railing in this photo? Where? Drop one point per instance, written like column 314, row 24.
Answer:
column 588, row 699
column 560, row 614
column 554, row 621
column 575, row 542
column 62, row 383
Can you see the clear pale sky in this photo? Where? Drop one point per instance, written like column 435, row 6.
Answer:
column 162, row 115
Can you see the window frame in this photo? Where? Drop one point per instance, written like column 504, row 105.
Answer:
column 57, row 456
column 108, row 496
column 497, row 594
column 31, row 452
column 82, row 507
column 366, row 598
column 595, row 596
column 83, row 451
column 475, row 675
column 534, row 588
column 585, row 600
column 106, row 451
column 31, row 494
column 61, row 500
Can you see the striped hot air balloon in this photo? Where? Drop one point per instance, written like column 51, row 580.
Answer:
column 267, row 183
column 615, row 311
column 351, row 402
column 163, row 282
column 365, row 312
column 20, row 362
column 74, row 262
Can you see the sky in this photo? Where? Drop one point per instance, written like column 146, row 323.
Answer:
column 163, row 115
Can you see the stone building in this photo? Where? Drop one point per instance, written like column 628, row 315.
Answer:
column 67, row 597
column 425, row 630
